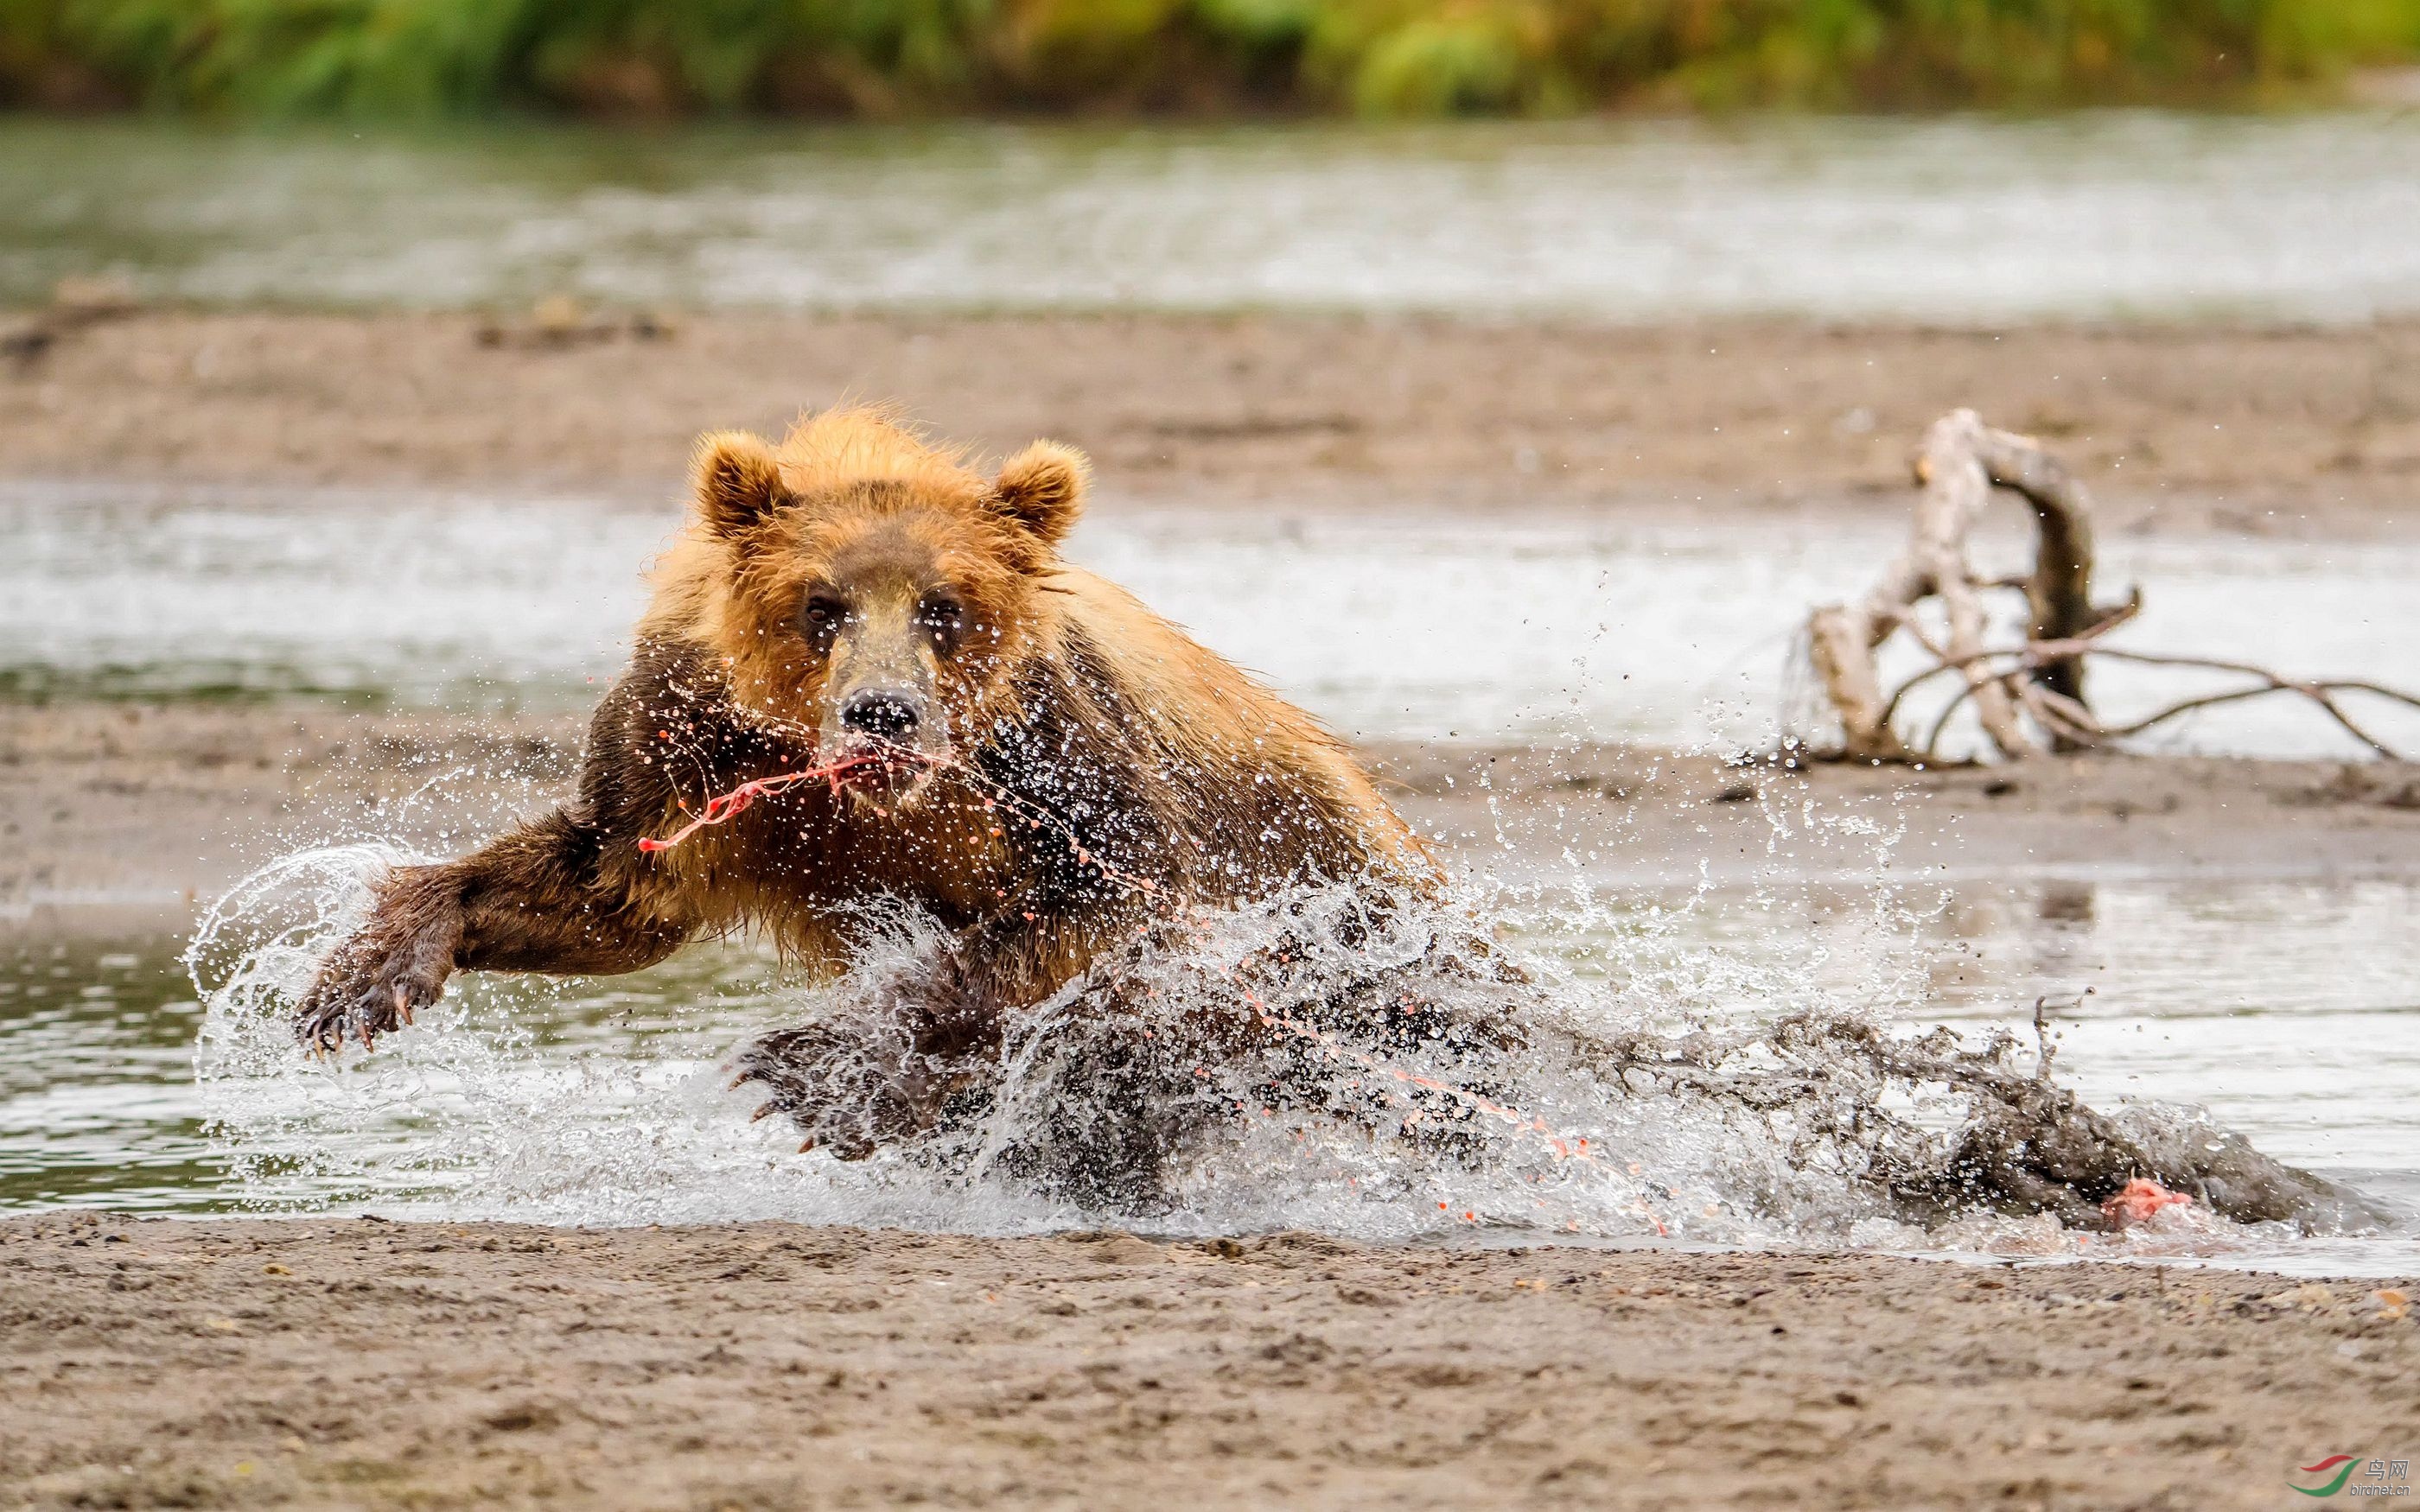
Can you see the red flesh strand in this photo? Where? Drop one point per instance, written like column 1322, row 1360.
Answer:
column 723, row 807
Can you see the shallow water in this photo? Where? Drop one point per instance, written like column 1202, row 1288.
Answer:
column 2302, row 217
column 1416, row 625
column 2288, row 1008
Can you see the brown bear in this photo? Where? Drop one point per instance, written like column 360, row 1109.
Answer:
column 1014, row 749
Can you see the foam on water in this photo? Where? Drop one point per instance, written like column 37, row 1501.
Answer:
column 1576, row 1071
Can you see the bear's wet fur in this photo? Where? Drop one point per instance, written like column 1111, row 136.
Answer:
column 1040, row 765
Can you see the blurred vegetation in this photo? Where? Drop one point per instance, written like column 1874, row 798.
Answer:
column 1378, row 57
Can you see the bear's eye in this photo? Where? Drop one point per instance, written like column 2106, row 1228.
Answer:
column 823, row 616
column 942, row 614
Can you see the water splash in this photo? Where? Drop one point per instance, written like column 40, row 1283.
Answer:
column 1506, row 1061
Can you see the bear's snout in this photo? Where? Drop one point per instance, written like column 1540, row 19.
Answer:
column 895, row 714
column 889, row 738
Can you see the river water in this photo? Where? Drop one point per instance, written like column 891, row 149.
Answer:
column 2288, row 1004
column 1966, row 220
column 1568, row 623
column 2285, row 1007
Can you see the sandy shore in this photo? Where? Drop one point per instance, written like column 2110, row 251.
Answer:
column 360, row 1363
column 2287, row 430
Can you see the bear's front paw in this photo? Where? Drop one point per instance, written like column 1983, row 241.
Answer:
column 374, row 983
column 847, row 1091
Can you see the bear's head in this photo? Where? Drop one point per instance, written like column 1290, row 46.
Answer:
column 866, row 587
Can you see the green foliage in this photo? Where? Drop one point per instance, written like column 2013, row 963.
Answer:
column 1417, row 57
column 1260, row 25
column 293, row 56
column 1381, row 58
column 1064, row 51
column 1441, row 66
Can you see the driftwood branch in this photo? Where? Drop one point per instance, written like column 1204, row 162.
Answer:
column 2055, row 709
column 2076, row 645
column 1960, row 461
column 2016, row 690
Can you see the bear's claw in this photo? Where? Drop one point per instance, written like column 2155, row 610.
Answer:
column 849, row 1092
column 373, row 983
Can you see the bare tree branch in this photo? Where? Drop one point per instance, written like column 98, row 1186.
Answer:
column 1961, row 460
column 1960, row 463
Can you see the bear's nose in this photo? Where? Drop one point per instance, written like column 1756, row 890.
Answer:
column 885, row 714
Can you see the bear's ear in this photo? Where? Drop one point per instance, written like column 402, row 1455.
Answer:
column 1042, row 488
column 739, row 481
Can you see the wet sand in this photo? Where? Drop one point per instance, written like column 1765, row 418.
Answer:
column 351, row 1363
column 2286, row 430
column 111, row 810
column 358, row 1363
